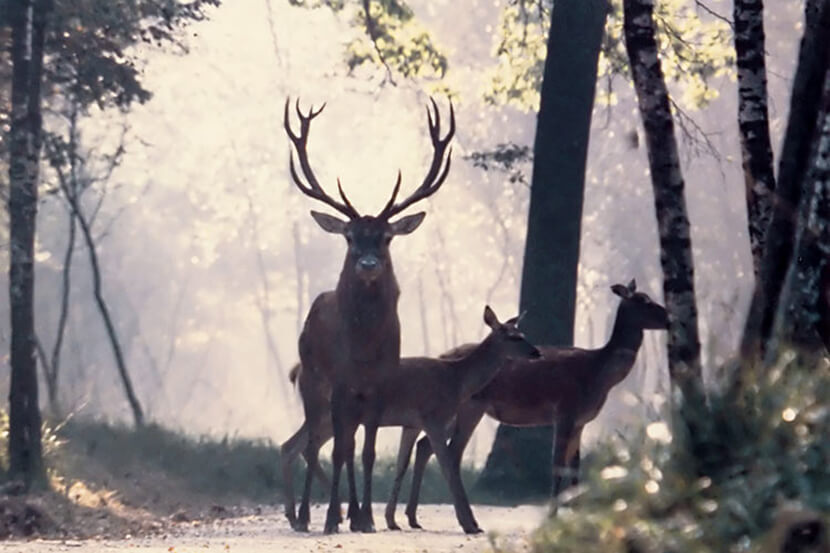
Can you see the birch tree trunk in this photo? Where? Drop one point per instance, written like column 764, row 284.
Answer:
column 519, row 464
column 753, row 121
column 813, row 58
column 28, row 20
column 799, row 319
column 670, row 204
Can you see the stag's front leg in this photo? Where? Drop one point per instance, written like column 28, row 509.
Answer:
column 343, row 429
column 366, row 522
column 408, row 437
column 463, row 511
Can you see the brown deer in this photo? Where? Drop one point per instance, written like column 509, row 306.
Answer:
column 351, row 334
column 425, row 394
column 567, row 387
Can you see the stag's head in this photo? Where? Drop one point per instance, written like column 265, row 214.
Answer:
column 511, row 339
column 641, row 309
column 368, row 236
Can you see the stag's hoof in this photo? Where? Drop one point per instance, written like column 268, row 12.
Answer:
column 299, row 525
column 473, row 530
column 332, row 522
column 392, row 525
column 413, row 523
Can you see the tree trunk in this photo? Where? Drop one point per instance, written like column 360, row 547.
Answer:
column 28, row 20
column 753, row 121
column 519, row 464
column 795, row 153
column 799, row 317
column 670, row 204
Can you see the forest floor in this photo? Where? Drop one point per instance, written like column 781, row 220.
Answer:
column 153, row 490
column 261, row 529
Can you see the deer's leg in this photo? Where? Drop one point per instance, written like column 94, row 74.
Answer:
column 408, row 437
column 343, row 428
column 572, row 454
column 366, row 522
column 463, row 511
column 289, row 451
column 422, row 454
column 562, row 436
column 466, row 421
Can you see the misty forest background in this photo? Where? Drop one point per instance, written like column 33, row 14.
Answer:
column 208, row 257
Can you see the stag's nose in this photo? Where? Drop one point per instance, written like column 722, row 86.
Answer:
column 368, row 263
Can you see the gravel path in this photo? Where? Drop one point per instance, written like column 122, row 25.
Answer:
column 269, row 531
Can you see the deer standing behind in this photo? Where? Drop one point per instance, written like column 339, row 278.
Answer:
column 426, row 393
column 567, row 387
column 351, row 335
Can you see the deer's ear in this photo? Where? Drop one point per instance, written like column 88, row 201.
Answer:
column 329, row 223
column 632, row 286
column 407, row 224
column 490, row 318
column 621, row 291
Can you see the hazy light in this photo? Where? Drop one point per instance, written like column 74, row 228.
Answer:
column 659, row 432
column 789, row 414
column 613, row 472
column 652, row 487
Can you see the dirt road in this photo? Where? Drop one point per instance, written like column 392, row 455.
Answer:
column 268, row 531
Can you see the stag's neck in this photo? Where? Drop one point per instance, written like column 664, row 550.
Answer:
column 367, row 305
column 478, row 368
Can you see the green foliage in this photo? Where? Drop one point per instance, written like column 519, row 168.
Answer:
column 693, row 50
column 717, row 483
column 392, row 38
column 86, row 49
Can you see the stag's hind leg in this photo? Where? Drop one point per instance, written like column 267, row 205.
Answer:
column 289, row 451
column 408, row 437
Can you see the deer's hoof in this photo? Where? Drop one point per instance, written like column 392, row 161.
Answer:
column 413, row 523
column 473, row 530
column 299, row 525
column 392, row 525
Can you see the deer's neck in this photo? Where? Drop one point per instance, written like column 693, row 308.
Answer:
column 627, row 333
column 622, row 347
column 478, row 368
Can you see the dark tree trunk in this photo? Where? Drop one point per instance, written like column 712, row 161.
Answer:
column 670, row 204
column 753, row 120
column 28, row 20
column 795, row 153
column 799, row 318
column 520, row 462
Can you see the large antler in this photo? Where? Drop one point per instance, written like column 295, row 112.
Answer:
column 435, row 176
column 313, row 189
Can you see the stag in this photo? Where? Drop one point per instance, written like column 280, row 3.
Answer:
column 567, row 387
column 351, row 335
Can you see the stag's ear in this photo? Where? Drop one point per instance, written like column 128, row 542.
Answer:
column 632, row 286
column 621, row 291
column 490, row 318
column 407, row 224
column 329, row 223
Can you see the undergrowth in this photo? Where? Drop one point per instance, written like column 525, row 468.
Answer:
column 748, row 473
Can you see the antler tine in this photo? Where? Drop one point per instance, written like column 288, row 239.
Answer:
column 345, row 199
column 313, row 188
column 436, row 175
column 395, row 191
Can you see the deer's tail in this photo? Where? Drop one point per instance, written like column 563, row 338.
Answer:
column 294, row 374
